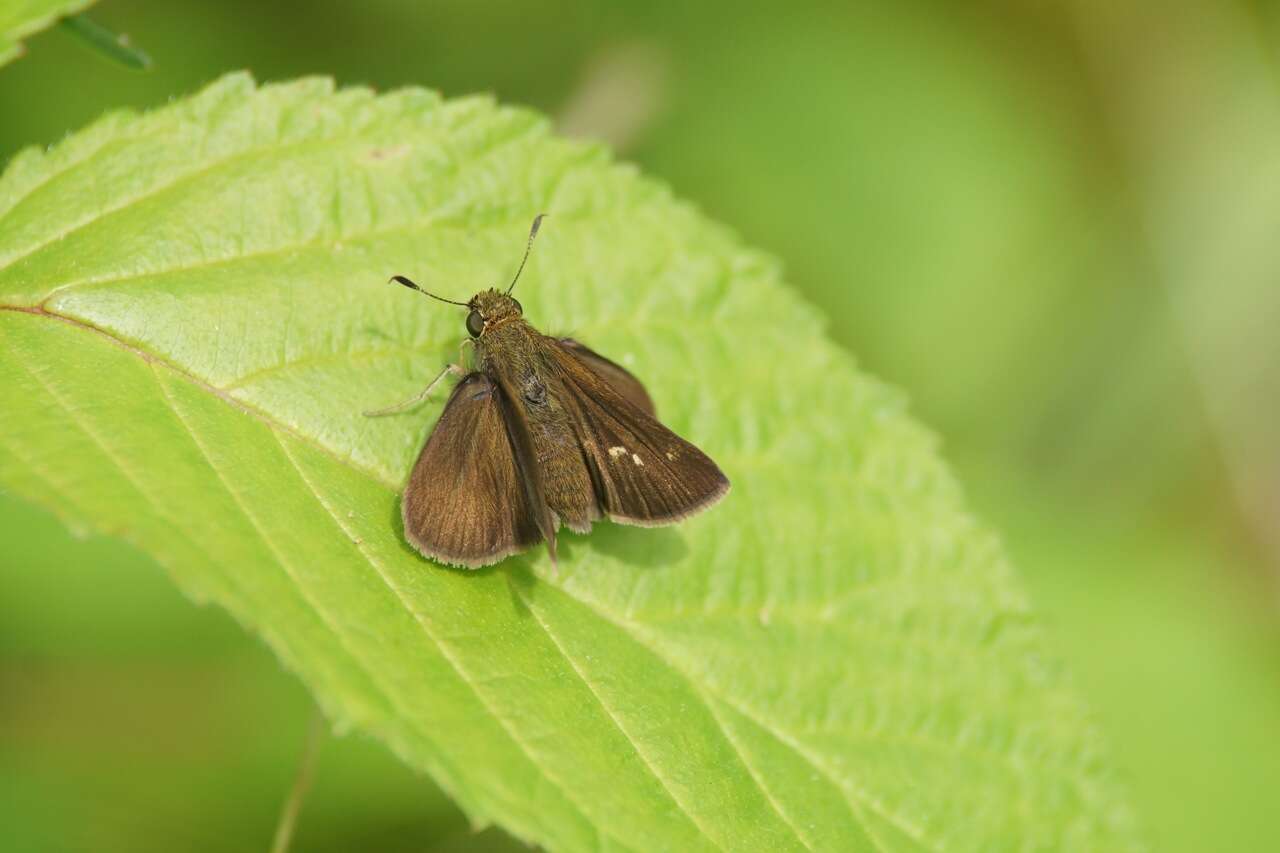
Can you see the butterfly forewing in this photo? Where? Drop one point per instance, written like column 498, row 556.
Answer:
column 466, row 502
column 643, row 473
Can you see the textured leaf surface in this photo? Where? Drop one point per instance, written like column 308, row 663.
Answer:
column 21, row 18
column 836, row 657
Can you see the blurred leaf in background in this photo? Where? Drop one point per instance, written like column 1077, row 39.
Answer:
column 1028, row 189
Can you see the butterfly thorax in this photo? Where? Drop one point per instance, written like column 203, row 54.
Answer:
column 506, row 345
column 523, row 362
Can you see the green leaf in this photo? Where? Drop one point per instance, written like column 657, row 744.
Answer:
column 195, row 312
column 21, row 18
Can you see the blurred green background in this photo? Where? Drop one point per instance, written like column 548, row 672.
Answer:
column 1052, row 224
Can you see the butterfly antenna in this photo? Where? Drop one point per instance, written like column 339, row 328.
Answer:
column 399, row 279
column 533, row 232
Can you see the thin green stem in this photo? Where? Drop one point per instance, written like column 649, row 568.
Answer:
column 301, row 784
column 99, row 38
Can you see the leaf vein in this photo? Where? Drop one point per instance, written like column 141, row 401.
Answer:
column 755, row 775
column 93, row 436
column 176, row 181
column 88, row 157
column 285, row 566
column 430, row 634
column 783, row 737
column 327, row 244
column 248, row 153
column 649, row 765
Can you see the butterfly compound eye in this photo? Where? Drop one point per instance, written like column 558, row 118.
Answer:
column 519, row 309
column 475, row 324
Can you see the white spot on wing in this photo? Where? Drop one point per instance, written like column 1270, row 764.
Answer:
column 635, row 457
column 615, row 452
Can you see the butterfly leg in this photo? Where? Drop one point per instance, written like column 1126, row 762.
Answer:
column 551, row 552
column 418, row 398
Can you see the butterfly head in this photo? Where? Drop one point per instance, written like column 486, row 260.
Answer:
column 489, row 309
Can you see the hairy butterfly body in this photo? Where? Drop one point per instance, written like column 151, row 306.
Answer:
column 543, row 432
